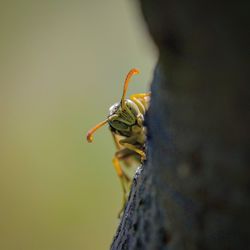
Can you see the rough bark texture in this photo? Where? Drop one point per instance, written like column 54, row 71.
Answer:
column 193, row 191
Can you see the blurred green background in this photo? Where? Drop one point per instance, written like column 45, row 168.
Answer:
column 62, row 64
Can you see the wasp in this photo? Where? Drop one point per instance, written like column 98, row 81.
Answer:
column 126, row 123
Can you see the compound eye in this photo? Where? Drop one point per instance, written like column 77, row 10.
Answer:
column 113, row 109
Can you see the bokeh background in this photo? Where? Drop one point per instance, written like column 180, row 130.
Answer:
column 62, row 64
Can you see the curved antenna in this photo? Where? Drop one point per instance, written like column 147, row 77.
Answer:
column 125, row 87
column 92, row 131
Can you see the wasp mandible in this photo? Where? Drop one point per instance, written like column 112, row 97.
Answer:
column 126, row 123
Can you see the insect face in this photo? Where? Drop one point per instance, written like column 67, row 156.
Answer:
column 122, row 119
column 122, row 115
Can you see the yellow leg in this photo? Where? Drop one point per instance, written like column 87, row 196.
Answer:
column 134, row 148
column 118, row 146
column 124, row 182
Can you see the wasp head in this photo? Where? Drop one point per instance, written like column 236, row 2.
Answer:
column 122, row 118
column 122, row 115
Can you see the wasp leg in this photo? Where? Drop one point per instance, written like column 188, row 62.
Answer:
column 118, row 146
column 123, row 154
column 128, row 143
column 134, row 148
column 125, row 180
column 128, row 157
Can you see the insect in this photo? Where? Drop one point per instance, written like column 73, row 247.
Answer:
column 126, row 123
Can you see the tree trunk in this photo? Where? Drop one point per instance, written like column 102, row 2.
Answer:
column 193, row 191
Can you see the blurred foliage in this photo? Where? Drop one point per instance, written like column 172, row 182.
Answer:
column 62, row 65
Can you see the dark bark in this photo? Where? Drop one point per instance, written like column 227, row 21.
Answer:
column 193, row 191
